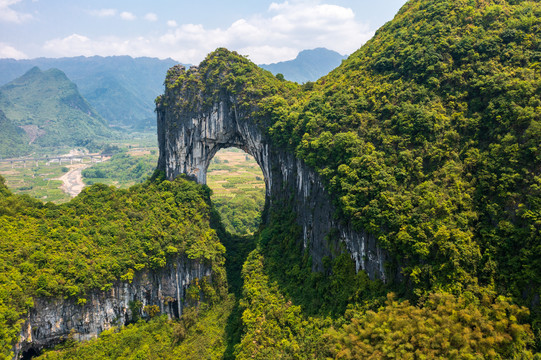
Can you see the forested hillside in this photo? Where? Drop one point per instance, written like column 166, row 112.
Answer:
column 50, row 110
column 120, row 88
column 102, row 236
column 427, row 138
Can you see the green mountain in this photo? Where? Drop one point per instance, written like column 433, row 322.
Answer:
column 50, row 110
column 122, row 89
column 309, row 65
column 426, row 138
column 13, row 139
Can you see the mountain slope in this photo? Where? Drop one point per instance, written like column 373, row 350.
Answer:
column 121, row 89
column 428, row 136
column 309, row 65
column 13, row 139
column 66, row 251
column 48, row 106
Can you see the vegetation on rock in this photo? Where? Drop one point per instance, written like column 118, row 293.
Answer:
column 199, row 335
column 427, row 137
column 100, row 237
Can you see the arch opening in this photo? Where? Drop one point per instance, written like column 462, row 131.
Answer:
column 239, row 189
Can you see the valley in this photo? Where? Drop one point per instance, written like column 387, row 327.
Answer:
column 72, row 181
column 390, row 209
column 234, row 177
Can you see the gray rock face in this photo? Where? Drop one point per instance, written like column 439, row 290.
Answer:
column 188, row 140
column 51, row 321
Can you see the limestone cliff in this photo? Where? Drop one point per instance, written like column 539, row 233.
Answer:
column 196, row 121
column 51, row 321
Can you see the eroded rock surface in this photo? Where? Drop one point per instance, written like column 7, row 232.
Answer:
column 190, row 135
column 51, row 321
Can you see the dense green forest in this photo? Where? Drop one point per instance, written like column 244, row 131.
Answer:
column 427, row 137
column 436, row 152
column 102, row 236
column 122, row 170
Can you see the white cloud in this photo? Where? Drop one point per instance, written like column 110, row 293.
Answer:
column 151, row 17
column 279, row 34
column 7, row 14
column 126, row 15
column 76, row 44
column 276, row 35
column 9, row 52
column 104, row 12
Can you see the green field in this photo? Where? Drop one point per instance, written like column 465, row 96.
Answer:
column 39, row 181
column 234, row 177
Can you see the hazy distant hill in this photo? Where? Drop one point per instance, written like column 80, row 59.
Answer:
column 50, row 110
column 122, row 89
column 309, row 65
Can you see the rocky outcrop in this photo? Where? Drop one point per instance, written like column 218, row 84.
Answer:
column 52, row 321
column 189, row 137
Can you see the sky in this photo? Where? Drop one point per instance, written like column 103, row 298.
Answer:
column 186, row 31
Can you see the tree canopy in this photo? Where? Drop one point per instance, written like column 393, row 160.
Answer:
column 101, row 236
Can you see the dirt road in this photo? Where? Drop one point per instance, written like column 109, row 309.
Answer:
column 73, row 180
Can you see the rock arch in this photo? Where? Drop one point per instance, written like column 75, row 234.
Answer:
column 194, row 125
column 192, row 141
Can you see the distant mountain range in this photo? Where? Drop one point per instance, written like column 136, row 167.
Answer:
column 309, row 65
column 122, row 89
column 45, row 109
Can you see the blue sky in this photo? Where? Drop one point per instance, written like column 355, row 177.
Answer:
column 266, row 31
